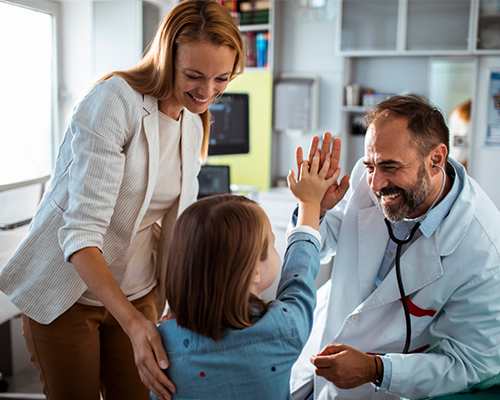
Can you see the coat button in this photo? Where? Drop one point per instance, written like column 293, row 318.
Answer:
column 354, row 318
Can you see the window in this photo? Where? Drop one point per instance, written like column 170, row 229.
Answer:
column 28, row 92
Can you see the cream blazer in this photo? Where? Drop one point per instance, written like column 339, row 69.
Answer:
column 102, row 184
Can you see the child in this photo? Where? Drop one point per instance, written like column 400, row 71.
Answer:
column 221, row 340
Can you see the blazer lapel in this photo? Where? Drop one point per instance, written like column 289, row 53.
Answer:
column 151, row 130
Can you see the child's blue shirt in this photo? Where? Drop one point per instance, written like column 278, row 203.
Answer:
column 255, row 362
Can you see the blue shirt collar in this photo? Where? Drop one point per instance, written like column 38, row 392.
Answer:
column 439, row 212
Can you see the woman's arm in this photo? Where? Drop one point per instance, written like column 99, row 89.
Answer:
column 143, row 334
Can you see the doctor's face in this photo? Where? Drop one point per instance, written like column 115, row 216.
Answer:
column 396, row 172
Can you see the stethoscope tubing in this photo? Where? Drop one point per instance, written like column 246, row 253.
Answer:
column 400, row 244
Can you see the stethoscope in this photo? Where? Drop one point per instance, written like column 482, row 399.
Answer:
column 400, row 244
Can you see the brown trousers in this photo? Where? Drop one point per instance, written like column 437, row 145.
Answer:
column 85, row 352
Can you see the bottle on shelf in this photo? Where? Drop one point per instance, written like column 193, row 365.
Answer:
column 261, row 45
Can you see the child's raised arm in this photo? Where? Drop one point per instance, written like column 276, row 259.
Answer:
column 310, row 187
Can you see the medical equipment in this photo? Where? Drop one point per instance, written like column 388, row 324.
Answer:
column 400, row 244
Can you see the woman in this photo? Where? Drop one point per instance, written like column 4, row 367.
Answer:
column 129, row 158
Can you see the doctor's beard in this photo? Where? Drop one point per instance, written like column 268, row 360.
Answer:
column 411, row 198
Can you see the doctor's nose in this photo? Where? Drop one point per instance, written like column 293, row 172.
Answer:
column 377, row 181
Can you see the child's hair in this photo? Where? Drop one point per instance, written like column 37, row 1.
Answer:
column 216, row 245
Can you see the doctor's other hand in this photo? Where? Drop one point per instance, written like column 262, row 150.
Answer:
column 346, row 367
column 336, row 191
column 150, row 357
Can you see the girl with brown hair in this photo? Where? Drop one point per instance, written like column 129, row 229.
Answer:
column 221, row 340
column 88, row 278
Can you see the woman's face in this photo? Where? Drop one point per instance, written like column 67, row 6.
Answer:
column 202, row 72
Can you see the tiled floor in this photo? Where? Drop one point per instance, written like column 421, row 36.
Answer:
column 26, row 381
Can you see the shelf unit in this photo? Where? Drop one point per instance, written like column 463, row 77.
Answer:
column 404, row 37
column 261, row 28
column 418, row 27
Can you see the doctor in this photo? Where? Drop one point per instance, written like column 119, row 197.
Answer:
column 450, row 269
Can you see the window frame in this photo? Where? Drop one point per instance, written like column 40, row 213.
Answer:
column 52, row 8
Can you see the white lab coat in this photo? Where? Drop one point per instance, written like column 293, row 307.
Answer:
column 453, row 278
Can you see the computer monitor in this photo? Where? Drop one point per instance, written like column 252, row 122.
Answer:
column 229, row 132
column 213, row 179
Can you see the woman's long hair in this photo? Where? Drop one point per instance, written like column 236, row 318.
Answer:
column 215, row 249
column 189, row 21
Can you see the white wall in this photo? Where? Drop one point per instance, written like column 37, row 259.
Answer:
column 307, row 45
column 76, row 56
column 485, row 160
column 78, row 69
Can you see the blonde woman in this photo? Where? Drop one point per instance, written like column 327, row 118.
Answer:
column 87, row 277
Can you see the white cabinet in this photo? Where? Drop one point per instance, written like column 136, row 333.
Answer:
column 419, row 27
column 488, row 26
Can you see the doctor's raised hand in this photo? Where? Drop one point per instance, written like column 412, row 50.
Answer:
column 336, row 191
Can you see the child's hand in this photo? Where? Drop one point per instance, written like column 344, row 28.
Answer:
column 312, row 183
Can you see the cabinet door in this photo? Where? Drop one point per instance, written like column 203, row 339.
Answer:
column 488, row 28
column 369, row 25
column 438, row 25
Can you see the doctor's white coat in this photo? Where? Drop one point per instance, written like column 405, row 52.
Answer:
column 452, row 279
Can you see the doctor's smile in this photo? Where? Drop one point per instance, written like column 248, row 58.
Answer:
column 398, row 203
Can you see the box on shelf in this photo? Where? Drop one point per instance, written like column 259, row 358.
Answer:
column 256, row 17
column 254, row 5
column 372, row 99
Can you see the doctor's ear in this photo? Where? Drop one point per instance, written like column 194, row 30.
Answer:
column 438, row 155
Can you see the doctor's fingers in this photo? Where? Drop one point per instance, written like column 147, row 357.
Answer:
column 313, row 147
column 334, row 157
column 322, row 362
column 325, row 146
column 332, row 349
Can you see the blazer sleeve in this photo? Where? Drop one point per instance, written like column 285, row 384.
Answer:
column 101, row 126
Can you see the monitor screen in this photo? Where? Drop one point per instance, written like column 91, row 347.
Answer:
column 229, row 129
column 213, row 179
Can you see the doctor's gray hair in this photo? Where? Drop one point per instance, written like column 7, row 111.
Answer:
column 425, row 121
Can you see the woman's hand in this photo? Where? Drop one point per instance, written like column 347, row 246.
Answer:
column 150, row 357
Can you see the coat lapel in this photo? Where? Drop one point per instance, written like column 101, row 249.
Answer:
column 372, row 242
column 420, row 266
